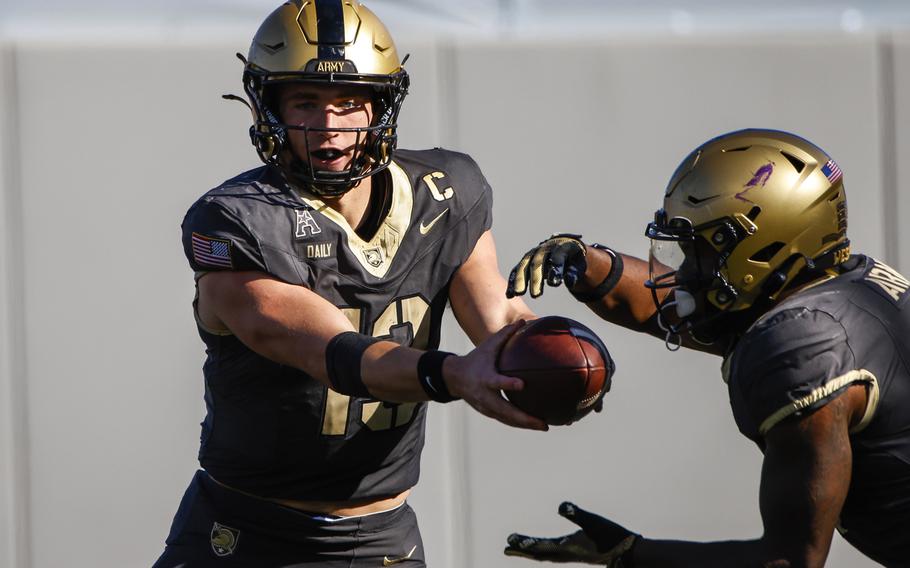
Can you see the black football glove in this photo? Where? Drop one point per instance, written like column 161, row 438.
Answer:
column 600, row 541
column 557, row 259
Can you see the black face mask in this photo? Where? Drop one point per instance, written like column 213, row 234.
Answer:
column 682, row 261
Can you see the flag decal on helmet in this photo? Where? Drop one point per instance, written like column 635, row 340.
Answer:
column 832, row 171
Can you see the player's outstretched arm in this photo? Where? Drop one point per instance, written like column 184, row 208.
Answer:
column 805, row 478
column 477, row 295
column 295, row 326
column 600, row 541
column 609, row 283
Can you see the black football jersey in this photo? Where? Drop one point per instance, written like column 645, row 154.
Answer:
column 274, row 431
column 852, row 329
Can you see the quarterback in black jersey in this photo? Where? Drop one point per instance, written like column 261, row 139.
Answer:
column 750, row 261
column 322, row 278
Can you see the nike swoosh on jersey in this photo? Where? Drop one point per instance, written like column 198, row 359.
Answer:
column 424, row 229
column 392, row 561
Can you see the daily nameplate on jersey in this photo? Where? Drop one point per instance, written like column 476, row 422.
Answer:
column 887, row 282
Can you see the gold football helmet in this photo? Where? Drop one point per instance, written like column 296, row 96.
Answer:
column 745, row 216
column 338, row 42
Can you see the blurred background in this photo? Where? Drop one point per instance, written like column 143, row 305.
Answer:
column 111, row 125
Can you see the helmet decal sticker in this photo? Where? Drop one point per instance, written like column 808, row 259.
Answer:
column 831, row 171
column 759, row 179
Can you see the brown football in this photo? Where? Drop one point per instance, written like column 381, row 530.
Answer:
column 565, row 367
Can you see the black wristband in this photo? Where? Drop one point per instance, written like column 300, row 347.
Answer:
column 429, row 372
column 608, row 283
column 343, row 355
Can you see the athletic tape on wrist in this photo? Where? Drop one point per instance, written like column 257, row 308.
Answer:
column 608, row 283
column 429, row 372
column 343, row 355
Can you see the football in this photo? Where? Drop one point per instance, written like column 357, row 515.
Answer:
column 565, row 367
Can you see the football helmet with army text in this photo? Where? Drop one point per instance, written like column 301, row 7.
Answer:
column 328, row 42
column 746, row 216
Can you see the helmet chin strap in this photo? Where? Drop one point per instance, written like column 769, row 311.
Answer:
column 684, row 302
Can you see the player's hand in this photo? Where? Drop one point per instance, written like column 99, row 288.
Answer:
column 600, row 541
column 557, row 259
column 475, row 379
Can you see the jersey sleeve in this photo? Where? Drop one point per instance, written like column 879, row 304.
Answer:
column 481, row 217
column 788, row 366
column 215, row 239
column 478, row 212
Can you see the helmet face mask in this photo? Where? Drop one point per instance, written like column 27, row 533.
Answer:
column 322, row 43
column 746, row 216
column 683, row 259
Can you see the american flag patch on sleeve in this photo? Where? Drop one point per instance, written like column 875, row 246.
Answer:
column 212, row 252
column 831, row 171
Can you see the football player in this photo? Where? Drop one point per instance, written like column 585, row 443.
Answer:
column 750, row 261
column 321, row 282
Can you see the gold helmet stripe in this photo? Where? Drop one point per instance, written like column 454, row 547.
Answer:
column 330, row 29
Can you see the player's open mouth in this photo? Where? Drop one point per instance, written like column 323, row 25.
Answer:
column 327, row 154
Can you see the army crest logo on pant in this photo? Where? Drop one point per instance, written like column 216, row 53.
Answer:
column 224, row 539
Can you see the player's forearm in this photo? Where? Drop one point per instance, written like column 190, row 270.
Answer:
column 480, row 323
column 629, row 304
column 389, row 372
column 723, row 554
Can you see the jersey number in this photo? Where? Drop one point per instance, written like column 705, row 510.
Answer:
column 404, row 321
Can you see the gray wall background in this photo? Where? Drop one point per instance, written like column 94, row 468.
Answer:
column 105, row 143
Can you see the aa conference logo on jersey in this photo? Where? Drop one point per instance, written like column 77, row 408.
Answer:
column 224, row 539
column 306, row 225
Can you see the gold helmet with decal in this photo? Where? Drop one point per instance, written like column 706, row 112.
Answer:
column 331, row 42
column 763, row 207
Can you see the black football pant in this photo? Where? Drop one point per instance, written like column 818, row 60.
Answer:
column 217, row 527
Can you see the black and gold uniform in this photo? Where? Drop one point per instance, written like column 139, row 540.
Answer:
column 272, row 430
column 852, row 329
